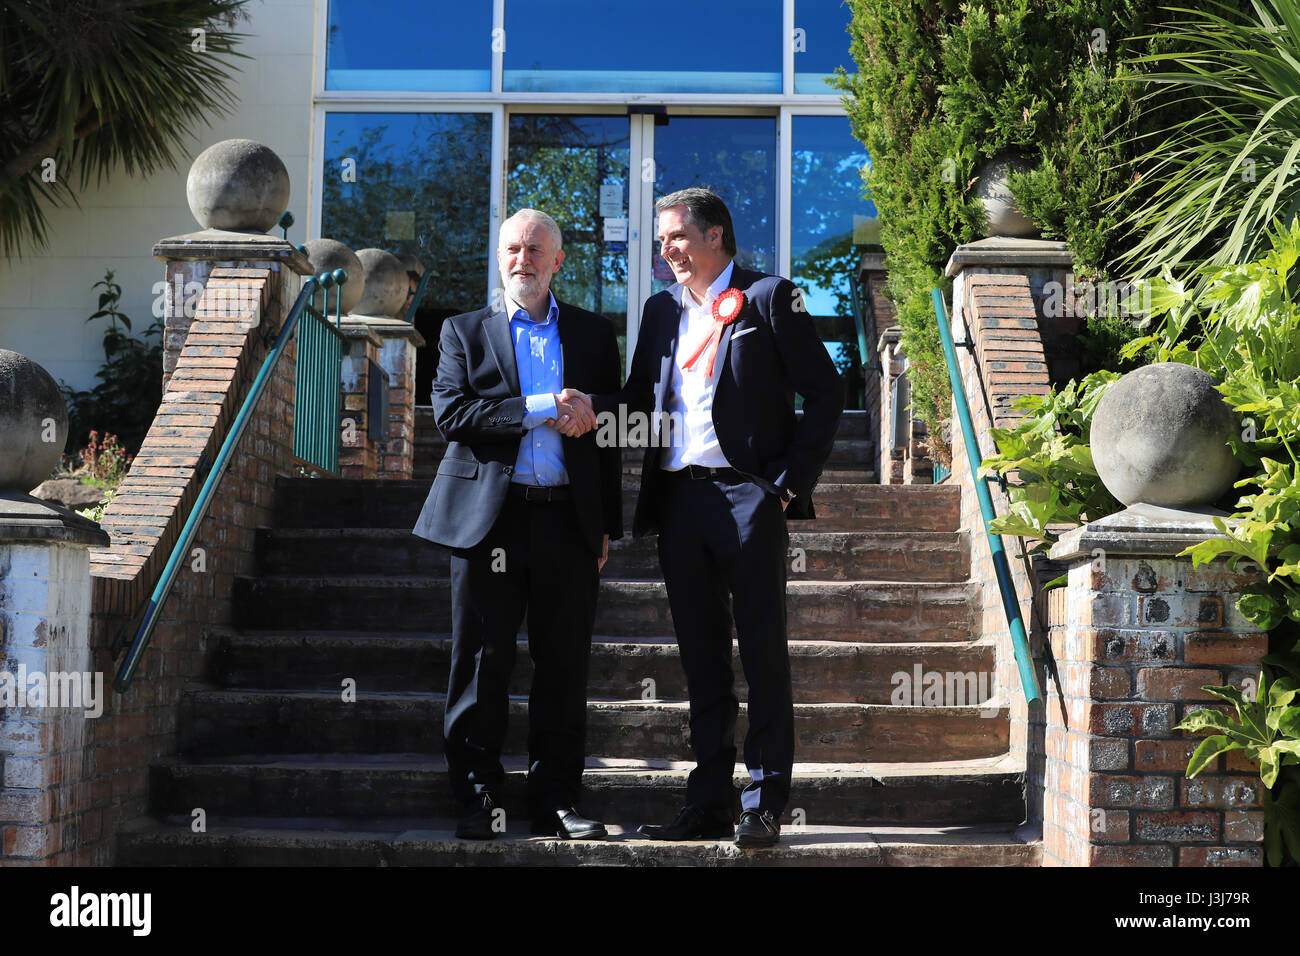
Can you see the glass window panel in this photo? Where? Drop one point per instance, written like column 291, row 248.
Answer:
column 610, row 46
column 409, row 45
column 736, row 158
column 559, row 164
column 831, row 223
column 415, row 183
column 821, row 43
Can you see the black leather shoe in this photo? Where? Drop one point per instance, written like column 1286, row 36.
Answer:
column 691, row 824
column 758, row 828
column 566, row 822
column 478, row 818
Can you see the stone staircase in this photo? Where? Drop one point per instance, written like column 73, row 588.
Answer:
column 287, row 771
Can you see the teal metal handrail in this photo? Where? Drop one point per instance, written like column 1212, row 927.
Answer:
column 318, row 399
column 181, row 550
column 1007, row 586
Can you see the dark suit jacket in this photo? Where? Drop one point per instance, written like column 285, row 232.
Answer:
column 480, row 411
column 769, row 352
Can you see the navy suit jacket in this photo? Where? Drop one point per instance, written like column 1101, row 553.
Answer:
column 480, row 411
column 768, row 353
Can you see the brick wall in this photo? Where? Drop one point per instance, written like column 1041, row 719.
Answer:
column 997, row 311
column 103, row 785
column 397, row 357
column 1134, row 639
column 357, row 457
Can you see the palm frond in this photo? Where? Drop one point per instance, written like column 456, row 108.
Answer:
column 95, row 85
column 1213, row 186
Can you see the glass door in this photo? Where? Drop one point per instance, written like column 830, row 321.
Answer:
column 736, row 157
column 576, row 169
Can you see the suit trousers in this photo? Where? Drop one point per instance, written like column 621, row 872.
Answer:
column 722, row 547
column 533, row 561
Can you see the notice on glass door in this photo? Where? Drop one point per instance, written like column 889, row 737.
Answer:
column 616, row 229
column 611, row 200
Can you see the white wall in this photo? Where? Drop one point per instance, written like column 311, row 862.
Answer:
column 45, row 297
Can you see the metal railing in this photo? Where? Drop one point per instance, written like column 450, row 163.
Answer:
column 318, row 397
column 180, row 551
column 1006, row 585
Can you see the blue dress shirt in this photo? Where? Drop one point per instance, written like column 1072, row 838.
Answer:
column 539, row 359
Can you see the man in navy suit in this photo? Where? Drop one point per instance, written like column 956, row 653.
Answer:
column 722, row 354
column 528, row 504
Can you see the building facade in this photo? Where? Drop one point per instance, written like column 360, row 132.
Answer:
column 419, row 126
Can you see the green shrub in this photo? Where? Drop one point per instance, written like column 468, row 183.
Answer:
column 941, row 88
column 130, row 380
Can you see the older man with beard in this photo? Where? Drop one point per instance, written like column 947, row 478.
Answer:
column 527, row 503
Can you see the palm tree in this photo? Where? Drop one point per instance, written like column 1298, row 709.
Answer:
column 86, row 85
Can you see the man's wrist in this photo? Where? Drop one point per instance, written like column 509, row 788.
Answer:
column 537, row 409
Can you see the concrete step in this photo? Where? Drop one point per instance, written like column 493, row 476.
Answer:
column 817, row 555
column 853, row 611
column 628, row 792
column 222, row 722
column 828, row 556
column 396, row 503
column 431, row 842
column 821, row 672
column 852, row 453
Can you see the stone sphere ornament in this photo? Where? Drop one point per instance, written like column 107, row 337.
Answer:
column 1003, row 215
column 237, row 185
column 33, row 423
column 326, row 255
column 1160, row 436
column 386, row 283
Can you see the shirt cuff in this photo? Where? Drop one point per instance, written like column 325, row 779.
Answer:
column 537, row 409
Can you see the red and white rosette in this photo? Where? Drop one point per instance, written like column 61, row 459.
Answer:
column 726, row 309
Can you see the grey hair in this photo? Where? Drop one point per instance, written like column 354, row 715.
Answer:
column 536, row 215
column 704, row 209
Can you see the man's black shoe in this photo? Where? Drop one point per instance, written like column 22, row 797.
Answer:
column 691, row 824
column 568, row 823
column 478, row 819
column 758, row 828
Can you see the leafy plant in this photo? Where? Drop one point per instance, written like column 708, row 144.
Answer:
column 1243, row 327
column 130, row 380
column 97, row 513
column 1241, row 323
column 104, row 463
column 1048, row 449
column 1267, row 729
column 1214, row 182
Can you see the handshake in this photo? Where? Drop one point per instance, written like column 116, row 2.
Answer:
column 573, row 413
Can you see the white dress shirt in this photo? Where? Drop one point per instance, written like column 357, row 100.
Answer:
column 690, row 393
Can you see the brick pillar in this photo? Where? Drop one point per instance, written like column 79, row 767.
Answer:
column 357, row 457
column 892, row 365
column 190, row 260
column 1134, row 637
column 398, row 341
column 45, row 646
column 879, row 314
column 998, row 306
